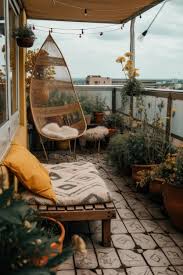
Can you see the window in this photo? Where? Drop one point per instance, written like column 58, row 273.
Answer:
column 13, row 23
column 9, row 57
column 3, row 69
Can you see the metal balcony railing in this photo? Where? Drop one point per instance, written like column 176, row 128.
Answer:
column 171, row 100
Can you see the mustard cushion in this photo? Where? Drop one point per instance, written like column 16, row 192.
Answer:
column 29, row 171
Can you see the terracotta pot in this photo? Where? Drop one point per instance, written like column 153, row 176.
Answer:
column 173, row 201
column 88, row 119
column 156, row 188
column 138, row 167
column 112, row 131
column 42, row 261
column 62, row 145
column 25, row 42
column 99, row 116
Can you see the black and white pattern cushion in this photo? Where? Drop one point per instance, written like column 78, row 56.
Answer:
column 76, row 183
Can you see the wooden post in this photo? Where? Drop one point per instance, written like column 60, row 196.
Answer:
column 106, row 233
column 169, row 117
column 114, row 100
column 132, row 50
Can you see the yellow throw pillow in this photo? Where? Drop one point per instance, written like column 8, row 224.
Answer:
column 29, row 171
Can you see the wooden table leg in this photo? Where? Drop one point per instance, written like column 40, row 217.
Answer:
column 106, row 233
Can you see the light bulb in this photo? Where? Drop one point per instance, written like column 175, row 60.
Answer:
column 142, row 36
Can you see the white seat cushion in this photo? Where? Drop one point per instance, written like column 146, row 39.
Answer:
column 75, row 183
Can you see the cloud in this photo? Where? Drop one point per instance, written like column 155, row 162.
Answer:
column 159, row 56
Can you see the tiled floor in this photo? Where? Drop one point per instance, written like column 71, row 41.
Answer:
column 143, row 240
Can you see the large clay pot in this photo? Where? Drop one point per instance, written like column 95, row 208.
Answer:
column 173, row 201
column 99, row 117
column 56, row 246
column 156, row 189
column 139, row 167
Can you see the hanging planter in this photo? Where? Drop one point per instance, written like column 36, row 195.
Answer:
column 24, row 36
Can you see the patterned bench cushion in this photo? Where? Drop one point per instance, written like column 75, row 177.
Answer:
column 75, row 183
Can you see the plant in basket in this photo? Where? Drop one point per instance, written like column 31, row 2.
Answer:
column 24, row 36
column 132, row 86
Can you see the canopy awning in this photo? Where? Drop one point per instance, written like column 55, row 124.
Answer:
column 106, row 11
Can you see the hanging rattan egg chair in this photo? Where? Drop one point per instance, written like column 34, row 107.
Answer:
column 55, row 107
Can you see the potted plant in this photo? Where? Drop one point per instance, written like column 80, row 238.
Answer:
column 132, row 86
column 117, row 154
column 99, row 108
column 114, row 122
column 29, row 244
column 24, row 36
column 173, row 189
column 87, row 105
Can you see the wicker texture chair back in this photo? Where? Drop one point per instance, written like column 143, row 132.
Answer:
column 52, row 95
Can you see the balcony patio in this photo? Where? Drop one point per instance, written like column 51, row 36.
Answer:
column 144, row 241
column 130, row 229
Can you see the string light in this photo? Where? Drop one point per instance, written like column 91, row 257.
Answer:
column 52, row 30
column 86, row 13
column 140, row 16
column 144, row 33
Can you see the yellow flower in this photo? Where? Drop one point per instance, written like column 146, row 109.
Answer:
column 120, row 59
column 128, row 54
column 136, row 74
column 129, row 62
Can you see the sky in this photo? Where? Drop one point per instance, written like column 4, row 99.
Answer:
column 160, row 55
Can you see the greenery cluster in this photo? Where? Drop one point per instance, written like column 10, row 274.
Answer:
column 114, row 120
column 24, row 31
column 87, row 104
column 23, row 241
column 132, row 87
column 99, row 104
column 138, row 148
column 57, row 98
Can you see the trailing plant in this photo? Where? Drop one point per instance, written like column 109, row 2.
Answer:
column 23, row 31
column 23, row 240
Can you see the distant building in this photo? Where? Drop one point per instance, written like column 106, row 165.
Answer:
column 98, row 80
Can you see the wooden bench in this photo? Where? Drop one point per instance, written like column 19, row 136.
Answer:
column 104, row 212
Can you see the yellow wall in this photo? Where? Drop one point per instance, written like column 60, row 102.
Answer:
column 21, row 134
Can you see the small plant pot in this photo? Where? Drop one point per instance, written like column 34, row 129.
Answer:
column 112, row 131
column 88, row 119
column 62, row 145
column 99, row 117
column 138, row 167
column 25, row 42
column 173, row 201
column 56, row 246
